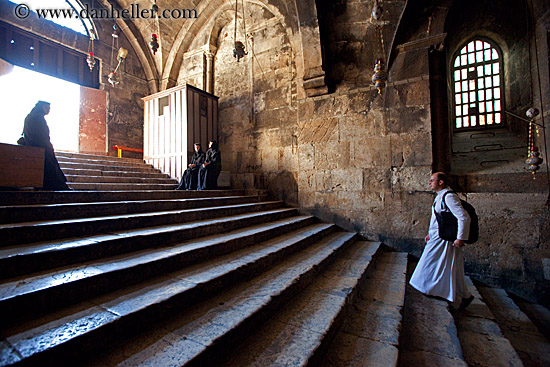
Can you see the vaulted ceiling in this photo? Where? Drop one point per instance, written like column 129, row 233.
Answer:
column 178, row 36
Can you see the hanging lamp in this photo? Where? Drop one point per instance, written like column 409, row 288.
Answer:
column 90, row 59
column 238, row 49
column 380, row 76
column 533, row 160
column 154, row 43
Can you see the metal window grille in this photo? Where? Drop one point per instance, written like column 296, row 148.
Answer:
column 477, row 85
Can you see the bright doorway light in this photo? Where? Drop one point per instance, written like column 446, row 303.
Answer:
column 19, row 92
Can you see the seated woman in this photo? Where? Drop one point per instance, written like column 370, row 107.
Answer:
column 210, row 169
column 189, row 180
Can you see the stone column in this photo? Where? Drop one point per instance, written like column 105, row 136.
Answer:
column 314, row 75
column 209, row 71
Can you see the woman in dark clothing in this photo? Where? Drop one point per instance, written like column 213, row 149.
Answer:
column 37, row 134
column 210, row 169
column 190, row 178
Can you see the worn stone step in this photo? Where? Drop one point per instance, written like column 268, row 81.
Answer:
column 28, row 232
column 532, row 347
column 102, row 161
column 57, row 197
column 29, row 213
column 201, row 334
column 429, row 336
column 34, row 293
column 119, row 186
column 482, row 341
column 120, row 179
column 105, row 167
column 97, row 172
column 96, row 156
column 370, row 333
column 538, row 314
column 100, row 321
column 20, row 259
column 299, row 333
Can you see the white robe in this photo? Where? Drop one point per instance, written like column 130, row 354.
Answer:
column 440, row 270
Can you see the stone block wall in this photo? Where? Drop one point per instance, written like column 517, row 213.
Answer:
column 360, row 159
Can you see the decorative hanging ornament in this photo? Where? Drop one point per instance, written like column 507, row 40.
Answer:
column 113, row 78
column 238, row 49
column 377, row 11
column 115, row 31
column 90, row 59
column 154, row 43
column 533, row 160
column 380, row 76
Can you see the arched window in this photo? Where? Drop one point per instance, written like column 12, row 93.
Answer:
column 478, row 101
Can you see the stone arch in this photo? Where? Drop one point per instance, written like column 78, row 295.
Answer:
column 208, row 11
column 299, row 19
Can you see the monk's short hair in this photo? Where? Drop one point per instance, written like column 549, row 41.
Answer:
column 442, row 177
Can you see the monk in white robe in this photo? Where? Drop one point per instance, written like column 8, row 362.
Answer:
column 440, row 270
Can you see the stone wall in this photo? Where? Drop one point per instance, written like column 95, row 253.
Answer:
column 360, row 159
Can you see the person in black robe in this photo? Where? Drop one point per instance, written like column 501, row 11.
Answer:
column 210, row 169
column 190, row 178
column 37, row 134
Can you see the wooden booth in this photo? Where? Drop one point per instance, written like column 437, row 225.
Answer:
column 174, row 119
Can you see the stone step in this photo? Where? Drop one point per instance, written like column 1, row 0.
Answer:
column 30, row 213
column 33, row 294
column 532, row 347
column 17, row 260
column 201, row 334
column 100, row 322
column 370, row 333
column 119, row 186
column 120, row 179
column 300, row 332
column 111, row 167
column 28, row 232
column 482, row 341
column 96, row 156
column 101, row 161
column 97, row 172
column 538, row 314
column 58, row 197
column 429, row 336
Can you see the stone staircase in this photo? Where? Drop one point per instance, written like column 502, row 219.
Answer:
column 98, row 172
column 227, row 278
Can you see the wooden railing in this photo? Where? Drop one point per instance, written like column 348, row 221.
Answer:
column 119, row 150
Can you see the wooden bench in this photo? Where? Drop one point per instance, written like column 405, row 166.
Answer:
column 21, row 166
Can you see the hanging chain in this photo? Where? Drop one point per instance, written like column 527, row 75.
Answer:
column 382, row 47
column 235, row 37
